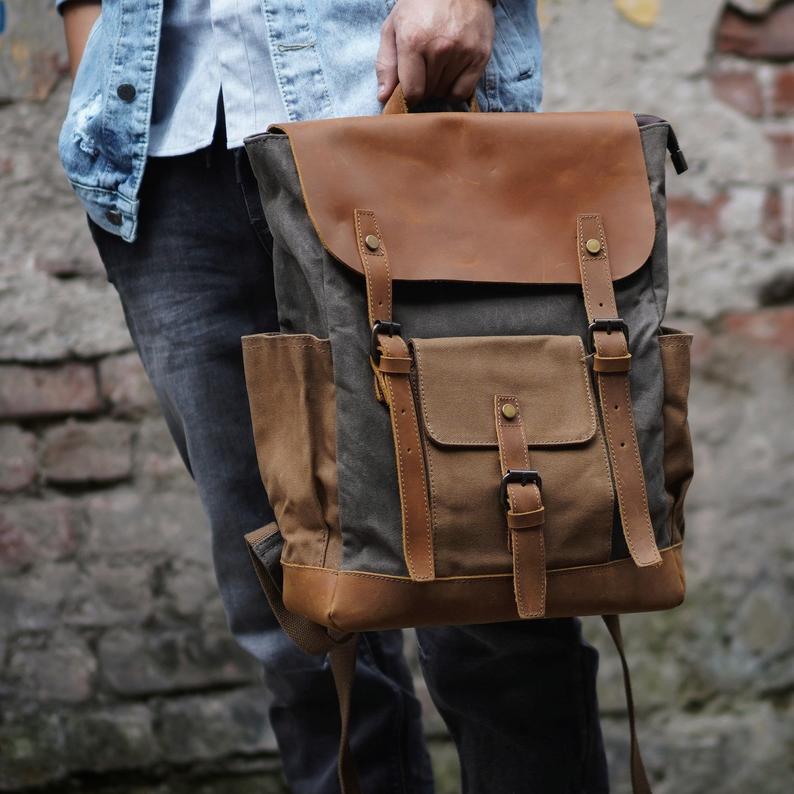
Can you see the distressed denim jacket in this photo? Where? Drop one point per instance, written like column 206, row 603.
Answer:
column 323, row 53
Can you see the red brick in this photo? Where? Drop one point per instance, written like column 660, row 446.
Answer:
column 783, row 148
column 78, row 452
column 702, row 217
column 33, row 531
column 769, row 327
column 124, row 383
column 772, row 222
column 783, row 93
column 47, row 391
column 18, row 459
column 768, row 36
column 740, row 90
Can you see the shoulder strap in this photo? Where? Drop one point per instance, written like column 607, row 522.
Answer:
column 639, row 779
column 312, row 638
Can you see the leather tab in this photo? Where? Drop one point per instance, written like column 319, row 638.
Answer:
column 394, row 364
column 524, row 515
column 612, row 363
column 639, row 778
column 532, row 518
column 377, row 269
column 611, row 350
column 393, row 386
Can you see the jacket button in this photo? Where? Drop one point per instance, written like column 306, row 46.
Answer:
column 114, row 217
column 126, row 92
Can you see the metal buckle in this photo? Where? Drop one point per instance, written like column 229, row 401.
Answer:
column 610, row 325
column 381, row 327
column 523, row 476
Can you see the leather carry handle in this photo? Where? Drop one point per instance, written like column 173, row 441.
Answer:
column 397, row 104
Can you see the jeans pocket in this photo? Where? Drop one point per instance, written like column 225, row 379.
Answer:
column 520, row 62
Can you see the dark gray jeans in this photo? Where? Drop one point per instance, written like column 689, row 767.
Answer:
column 518, row 698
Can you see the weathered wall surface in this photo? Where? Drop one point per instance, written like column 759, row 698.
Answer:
column 117, row 673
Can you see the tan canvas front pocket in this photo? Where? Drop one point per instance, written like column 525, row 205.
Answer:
column 456, row 380
column 289, row 379
column 675, row 349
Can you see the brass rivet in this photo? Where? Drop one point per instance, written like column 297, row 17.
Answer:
column 372, row 242
column 593, row 245
column 509, row 411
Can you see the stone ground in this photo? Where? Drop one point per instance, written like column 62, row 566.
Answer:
column 117, row 673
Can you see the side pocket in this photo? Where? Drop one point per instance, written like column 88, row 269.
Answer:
column 678, row 462
column 289, row 379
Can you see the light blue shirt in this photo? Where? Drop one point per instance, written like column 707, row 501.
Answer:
column 206, row 46
column 128, row 103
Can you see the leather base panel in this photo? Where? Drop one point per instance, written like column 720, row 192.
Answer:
column 359, row 601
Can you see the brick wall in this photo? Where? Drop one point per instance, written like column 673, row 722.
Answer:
column 117, row 673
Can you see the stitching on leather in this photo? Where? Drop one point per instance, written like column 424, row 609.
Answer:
column 400, row 481
column 365, row 265
column 517, row 426
column 382, row 252
column 420, row 459
column 365, row 251
column 619, row 482
column 406, row 529
column 608, row 469
column 638, row 466
column 600, row 567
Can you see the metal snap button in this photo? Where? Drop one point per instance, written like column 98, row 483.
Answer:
column 593, row 246
column 114, row 217
column 126, row 92
column 509, row 411
column 372, row 242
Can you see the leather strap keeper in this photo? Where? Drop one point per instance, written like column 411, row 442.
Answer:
column 527, row 520
column 612, row 363
column 394, row 364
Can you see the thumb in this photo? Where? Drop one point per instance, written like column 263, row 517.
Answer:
column 386, row 61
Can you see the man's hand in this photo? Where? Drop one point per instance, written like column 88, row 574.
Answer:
column 435, row 48
column 78, row 19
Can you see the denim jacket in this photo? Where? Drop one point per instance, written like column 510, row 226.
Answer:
column 323, row 53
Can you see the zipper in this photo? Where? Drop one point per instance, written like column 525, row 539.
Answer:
column 676, row 155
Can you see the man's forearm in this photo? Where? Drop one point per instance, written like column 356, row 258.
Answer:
column 78, row 18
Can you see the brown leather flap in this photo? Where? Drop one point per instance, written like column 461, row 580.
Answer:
column 488, row 197
column 458, row 377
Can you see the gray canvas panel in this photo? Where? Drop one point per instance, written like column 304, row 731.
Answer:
column 319, row 295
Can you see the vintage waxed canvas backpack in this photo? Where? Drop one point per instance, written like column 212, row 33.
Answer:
column 473, row 411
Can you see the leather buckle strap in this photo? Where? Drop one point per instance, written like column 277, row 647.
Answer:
column 385, row 363
column 608, row 326
column 520, row 496
column 381, row 327
column 611, row 363
column 521, row 476
column 391, row 363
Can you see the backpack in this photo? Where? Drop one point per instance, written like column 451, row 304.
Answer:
column 472, row 412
